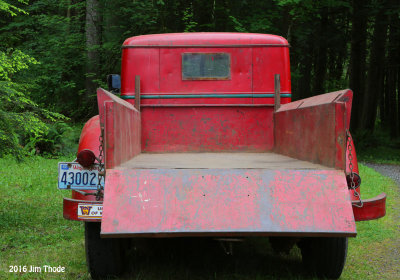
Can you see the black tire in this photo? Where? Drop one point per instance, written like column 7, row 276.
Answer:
column 324, row 256
column 282, row 244
column 103, row 255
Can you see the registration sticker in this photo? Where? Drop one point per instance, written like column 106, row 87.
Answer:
column 90, row 211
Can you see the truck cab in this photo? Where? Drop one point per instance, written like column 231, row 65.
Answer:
column 223, row 78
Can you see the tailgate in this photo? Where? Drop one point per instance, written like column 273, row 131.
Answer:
column 215, row 202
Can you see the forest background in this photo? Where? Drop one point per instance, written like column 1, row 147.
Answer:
column 55, row 53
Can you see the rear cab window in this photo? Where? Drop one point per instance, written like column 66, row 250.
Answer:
column 206, row 66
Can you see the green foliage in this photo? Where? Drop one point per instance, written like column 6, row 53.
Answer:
column 188, row 19
column 12, row 62
column 20, row 117
column 53, row 32
column 57, row 42
column 22, row 121
column 11, row 9
column 237, row 25
column 377, row 147
column 61, row 139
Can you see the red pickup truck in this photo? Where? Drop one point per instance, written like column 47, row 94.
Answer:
column 204, row 140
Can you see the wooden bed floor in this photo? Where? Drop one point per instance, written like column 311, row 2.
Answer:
column 218, row 160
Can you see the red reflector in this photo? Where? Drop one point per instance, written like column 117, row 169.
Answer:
column 86, row 158
column 356, row 180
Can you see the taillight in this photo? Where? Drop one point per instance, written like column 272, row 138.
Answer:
column 356, row 180
column 86, row 158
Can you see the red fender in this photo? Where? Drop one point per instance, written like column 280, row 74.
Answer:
column 373, row 208
column 89, row 140
column 90, row 136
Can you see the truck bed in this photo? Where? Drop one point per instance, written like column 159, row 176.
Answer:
column 218, row 161
column 210, row 170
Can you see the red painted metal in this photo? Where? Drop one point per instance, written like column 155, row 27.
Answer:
column 231, row 201
column 205, row 39
column 373, row 208
column 354, row 160
column 160, row 69
column 80, row 196
column 206, row 101
column 90, row 136
column 122, row 129
column 314, row 129
column 89, row 140
column 70, row 209
column 340, row 136
column 206, row 129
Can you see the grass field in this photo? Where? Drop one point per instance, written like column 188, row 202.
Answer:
column 33, row 232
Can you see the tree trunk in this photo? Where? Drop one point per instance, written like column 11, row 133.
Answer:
column 221, row 16
column 321, row 55
column 203, row 12
column 398, row 72
column 392, row 75
column 397, row 40
column 386, row 113
column 375, row 81
column 304, row 84
column 69, row 9
column 358, row 57
column 382, row 105
column 92, row 43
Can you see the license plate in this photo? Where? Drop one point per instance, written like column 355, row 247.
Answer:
column 90, row 211
column 72, row 176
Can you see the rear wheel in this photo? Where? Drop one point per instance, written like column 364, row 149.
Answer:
column 325, row 256
column 103, row 255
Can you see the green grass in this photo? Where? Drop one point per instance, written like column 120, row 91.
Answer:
column 372, row 254
column 32, row 229
column 33, row 232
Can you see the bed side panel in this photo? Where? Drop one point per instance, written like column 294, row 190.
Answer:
column 314, row 129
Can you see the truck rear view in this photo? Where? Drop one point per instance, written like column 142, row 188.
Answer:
column 205, row 141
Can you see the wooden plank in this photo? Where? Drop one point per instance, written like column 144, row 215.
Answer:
column 218, row 161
